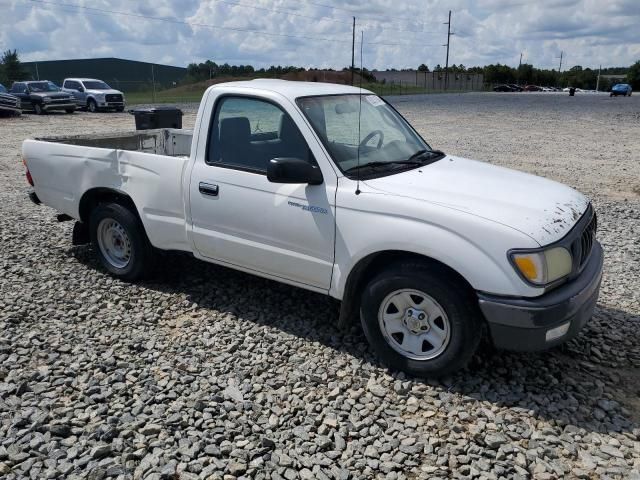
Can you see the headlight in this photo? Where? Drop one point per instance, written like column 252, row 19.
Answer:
column 543, row 267
column 46, row 100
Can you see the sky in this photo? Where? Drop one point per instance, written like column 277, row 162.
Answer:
column 318, row 33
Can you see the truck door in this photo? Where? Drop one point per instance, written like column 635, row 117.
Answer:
column 240, row 218
column 20, row 90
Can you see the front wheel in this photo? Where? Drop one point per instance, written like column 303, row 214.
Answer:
column 120, row 240
column 420, row 320
column 38, row 109
column 92, row 106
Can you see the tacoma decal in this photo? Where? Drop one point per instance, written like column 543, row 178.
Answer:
column 308, row 208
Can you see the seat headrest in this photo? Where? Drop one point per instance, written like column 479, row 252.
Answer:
column 288, row 129
column 235, row 130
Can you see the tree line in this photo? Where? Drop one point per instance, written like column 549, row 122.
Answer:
column 201, row 71
column 11, row 70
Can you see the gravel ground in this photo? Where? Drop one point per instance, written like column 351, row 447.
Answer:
column 203, row 372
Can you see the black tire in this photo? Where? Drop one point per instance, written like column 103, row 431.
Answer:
column 92, row 106
column 458, row 303
column 141, row 252
column 119, row 109
column 70, row 110
column 38, row 109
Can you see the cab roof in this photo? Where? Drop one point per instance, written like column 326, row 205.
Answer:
column 293, row 89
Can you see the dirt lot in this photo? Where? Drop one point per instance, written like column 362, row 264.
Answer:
column 203, row 372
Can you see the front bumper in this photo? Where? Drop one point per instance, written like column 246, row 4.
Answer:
column 524, row 324
column 111, row 105
column 10, row 109
column 58, row 106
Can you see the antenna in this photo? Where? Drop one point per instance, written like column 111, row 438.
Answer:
column 359, row 116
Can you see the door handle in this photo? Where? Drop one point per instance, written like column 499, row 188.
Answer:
column 208, row 189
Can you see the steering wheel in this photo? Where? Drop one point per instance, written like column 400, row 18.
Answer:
column 373, row 134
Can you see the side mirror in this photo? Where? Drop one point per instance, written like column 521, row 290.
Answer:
column 293, row 170
column 81, row 89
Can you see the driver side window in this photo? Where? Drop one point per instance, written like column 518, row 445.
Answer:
column 246, row 133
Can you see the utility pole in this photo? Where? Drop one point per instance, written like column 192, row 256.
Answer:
column 560, row 67
column 446, row 64
column 519, row 65
column 153, row 80
column 353, row 49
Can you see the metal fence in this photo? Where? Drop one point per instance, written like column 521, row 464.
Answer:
column 430, row 81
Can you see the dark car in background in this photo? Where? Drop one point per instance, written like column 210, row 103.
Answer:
column 532, row 88
column 503, row 88
column 9, row 104
column 42, row 96
column 623, row 89
column 516, row 88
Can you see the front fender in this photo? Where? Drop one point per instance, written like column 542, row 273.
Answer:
column 479, row 254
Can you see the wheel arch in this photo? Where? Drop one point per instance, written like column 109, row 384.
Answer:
column 374, row 263
column 95, row 196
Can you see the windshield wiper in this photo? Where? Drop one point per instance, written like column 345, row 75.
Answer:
column 423, row 154
column 418, row 158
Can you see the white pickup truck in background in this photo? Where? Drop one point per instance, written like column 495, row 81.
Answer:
column 326, row 187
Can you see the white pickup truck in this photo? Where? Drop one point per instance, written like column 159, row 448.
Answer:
column 326, row 187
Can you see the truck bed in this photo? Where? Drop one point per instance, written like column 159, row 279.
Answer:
column 147, row 166
column 163, row 141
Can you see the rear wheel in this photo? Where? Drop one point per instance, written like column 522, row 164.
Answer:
column 38, row 109
column 119, row 238
column 92, row 106
column 420, row 320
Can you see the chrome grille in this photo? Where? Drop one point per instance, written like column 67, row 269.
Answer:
column 113, row 97
column 8, row 101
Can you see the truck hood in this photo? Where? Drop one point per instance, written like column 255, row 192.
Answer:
column 50, row 94
column 542, row 209
column 104, row 92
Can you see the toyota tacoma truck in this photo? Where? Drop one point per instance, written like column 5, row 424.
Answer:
column 328, row 188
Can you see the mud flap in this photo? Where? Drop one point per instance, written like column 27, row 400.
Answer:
column 81, row 234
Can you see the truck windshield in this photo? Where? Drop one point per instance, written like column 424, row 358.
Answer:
column 43, row 87
column 96, row 85
column 383, row 139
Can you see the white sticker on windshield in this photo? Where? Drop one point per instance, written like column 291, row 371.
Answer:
column 374, row 100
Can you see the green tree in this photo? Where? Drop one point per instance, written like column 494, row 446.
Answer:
column 633, row 75
column 423, row 68
column 11, row 67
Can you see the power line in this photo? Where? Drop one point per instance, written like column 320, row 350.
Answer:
column 332, row 19
column 102, row 11
column 354, row 11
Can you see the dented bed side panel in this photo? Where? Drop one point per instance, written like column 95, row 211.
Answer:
column 62, row 173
